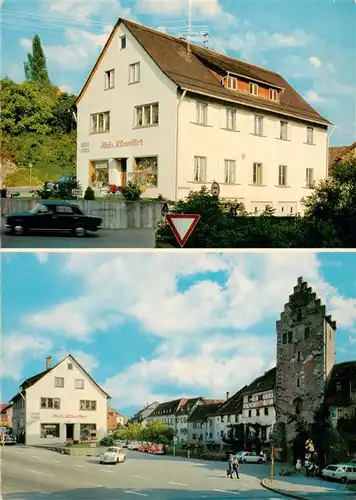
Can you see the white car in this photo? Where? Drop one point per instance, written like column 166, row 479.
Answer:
column 113, row 455
column 250, row 457
column 345, row 473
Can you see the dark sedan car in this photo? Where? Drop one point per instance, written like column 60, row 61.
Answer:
column 53, row 216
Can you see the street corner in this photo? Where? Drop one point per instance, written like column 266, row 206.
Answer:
column 277, row 487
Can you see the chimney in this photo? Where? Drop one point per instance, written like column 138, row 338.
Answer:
column 48, row 362
column 227, row 396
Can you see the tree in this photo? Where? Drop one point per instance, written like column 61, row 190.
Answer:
column 63, row 120
column 36, row 66
column 157, row 432
column 131, row 432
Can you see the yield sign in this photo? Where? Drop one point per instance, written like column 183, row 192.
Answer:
column 182, row 225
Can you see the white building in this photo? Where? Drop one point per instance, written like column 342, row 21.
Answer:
column 200, row 424
column 141, row 416
column 174, row 117
column 62, row 403
column 166, row 413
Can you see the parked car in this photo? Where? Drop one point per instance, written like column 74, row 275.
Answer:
column 250, row 457
column 134, row 445
column 156, row 449
column 144, row 448
column 344, row 473
column 113, row 455
column 6, row 436
column 59, row 216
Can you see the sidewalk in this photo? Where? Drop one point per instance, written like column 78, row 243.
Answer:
column 306, row 488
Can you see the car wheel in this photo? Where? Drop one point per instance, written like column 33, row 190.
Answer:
column 80, row 231
column 18, row 229
column 259, row 461
column 101, row 462
column 343, row 480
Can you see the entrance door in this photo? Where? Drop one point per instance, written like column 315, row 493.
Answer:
column 123, row 162
column 69, row 432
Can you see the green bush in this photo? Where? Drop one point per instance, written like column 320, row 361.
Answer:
column 131, row 192
column 108, row 440
column 89, row 194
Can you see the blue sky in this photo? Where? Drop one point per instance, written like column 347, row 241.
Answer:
column 312, row 43
column 151, row 327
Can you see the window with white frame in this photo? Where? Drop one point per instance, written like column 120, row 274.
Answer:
column 257, row 179
column 282, row 175
column 87, row 405
column 122, row 42
column 146, row 115
column 310, row 135
column 230, row 171
column 199, row 169
column 134, row 73
column 273, row 95
column 253, row 88
column 231, row 83
column 58, row 382
column 231, row 119
column 201, row 113
column 50, row 403
column 109, row 79
column 258, row 128
column 283, row 133
column 100, row 123
column 79, row 383
column 309, row 177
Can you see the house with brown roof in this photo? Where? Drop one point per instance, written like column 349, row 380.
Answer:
column 6, row 415
column 338, row 153
column 200, row 427
column 142, row 415
column 172, row 116
column 62, row 403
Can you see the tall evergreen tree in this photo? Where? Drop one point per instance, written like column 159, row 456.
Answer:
column 36, row 65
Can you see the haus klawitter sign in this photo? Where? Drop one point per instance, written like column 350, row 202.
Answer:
column 121, row 144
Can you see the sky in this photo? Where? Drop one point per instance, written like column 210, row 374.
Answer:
column 312, row 43
column 151, row 327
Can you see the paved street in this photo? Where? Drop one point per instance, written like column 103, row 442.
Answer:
column 36, row 474
column 120, row 238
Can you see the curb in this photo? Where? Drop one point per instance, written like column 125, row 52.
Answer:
column 280, row 492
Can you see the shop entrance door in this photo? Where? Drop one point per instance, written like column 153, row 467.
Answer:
column 123, row 169
column 69, row 432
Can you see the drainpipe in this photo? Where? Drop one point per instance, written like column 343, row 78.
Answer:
column 177, row 132
column 327, row 150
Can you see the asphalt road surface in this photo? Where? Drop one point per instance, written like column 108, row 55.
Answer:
column 105, row 238
column 38, row 474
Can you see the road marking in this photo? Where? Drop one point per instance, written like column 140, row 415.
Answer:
column 57, row 461
column 20, row 452
column 139, row 477
column 178, row 484
column 38, row 472
column 227, row 491
column 93, row 484
column 105, row 470
column 34, row 456
column 136, row 493
column 76, row 465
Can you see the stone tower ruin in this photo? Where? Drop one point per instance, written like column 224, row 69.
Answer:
column 305, row 359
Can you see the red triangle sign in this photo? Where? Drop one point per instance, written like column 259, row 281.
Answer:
column 182, row 226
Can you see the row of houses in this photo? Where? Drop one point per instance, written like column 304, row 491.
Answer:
column 305, row 377
column 62, row 403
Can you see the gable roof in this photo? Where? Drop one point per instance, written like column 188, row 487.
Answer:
column 201, row 70
column 169, row 407
column 144, row 412
column 232, row 405
column 187, row 405
column 265, row 382
column 341, row 382
column 35, row 378
column 203, row 411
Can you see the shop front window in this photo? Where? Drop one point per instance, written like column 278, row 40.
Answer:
column 100, row 176
column 145, row 171
column 49, row 431
column 88, row 432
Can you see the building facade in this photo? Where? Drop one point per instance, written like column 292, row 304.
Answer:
column 141, row 416
column 6, row 415
column 173, row 117
column 62, row 403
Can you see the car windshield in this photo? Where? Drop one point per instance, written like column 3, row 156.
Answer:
column 331, row 467
column 112, row 450
column 38, row 208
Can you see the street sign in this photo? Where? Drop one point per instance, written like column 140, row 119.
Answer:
column 215, row 189
column 76, row 192
column 182, row 226
column 175, row 440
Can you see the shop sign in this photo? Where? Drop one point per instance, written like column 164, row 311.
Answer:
column 84, row 147
column 121, row 144
column 35, row 416
column 68, row 416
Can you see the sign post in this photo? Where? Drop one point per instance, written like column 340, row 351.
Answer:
column 182, row 226
column 272, row 461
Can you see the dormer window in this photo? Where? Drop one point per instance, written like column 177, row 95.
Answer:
column 273, row 95
column 231, row 83
column 253, row 88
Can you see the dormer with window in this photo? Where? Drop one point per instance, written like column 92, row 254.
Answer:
column 253, row 89
column 231, row 83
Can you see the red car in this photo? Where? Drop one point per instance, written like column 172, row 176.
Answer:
column 144, row 448
column 156, row 449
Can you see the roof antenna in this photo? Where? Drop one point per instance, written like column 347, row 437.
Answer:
column 206, row 40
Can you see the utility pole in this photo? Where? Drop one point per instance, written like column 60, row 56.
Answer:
column 206, row 39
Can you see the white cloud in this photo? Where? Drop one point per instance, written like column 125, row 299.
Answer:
column 314, row 61
column 26, row 43
column 18, row 349
column 42, row 257
column 313, row 97
column 191, row 324
column 83, row 11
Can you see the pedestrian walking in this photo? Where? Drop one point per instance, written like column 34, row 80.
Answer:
column 230, row 466
column 298, row 465
column 235, row 467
